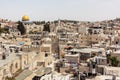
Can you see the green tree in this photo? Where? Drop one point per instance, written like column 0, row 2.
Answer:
column 47, row 27
column 21, row 28
column 89, row 35
column 3, row 30
column 114, row 61
column 7, row 78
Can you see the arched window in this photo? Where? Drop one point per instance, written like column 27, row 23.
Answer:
column 46, row 54
column 16, row 65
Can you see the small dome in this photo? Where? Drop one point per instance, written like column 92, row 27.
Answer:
column 25, row 18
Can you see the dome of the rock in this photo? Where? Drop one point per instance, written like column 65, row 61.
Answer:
column 25, row 18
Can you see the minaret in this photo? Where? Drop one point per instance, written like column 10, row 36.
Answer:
column 59, row 22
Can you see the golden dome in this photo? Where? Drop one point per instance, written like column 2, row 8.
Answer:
column 25, row 18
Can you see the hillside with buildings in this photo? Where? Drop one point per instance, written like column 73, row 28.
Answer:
column 59, row 50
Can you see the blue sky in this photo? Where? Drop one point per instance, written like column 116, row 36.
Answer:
column 82, row 10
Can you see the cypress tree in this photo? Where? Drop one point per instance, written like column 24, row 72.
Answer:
column 21, row 28
column 46, row 27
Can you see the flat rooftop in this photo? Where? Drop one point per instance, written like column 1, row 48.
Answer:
column 88, row 50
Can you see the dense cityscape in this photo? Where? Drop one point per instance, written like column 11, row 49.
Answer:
column 59, row 50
